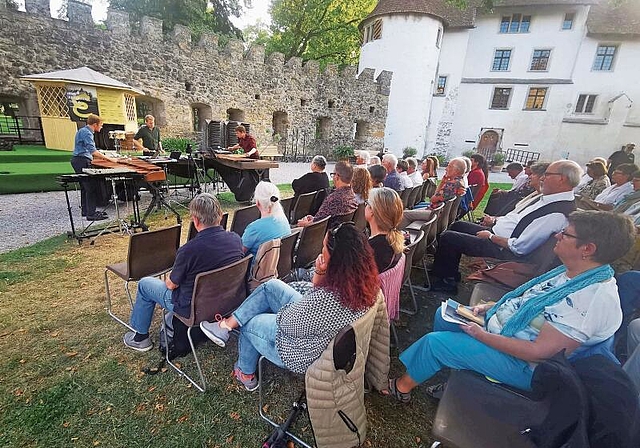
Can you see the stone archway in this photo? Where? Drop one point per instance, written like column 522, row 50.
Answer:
column 200, row 113
column 235, row 115
column 280, row 125
column 148, row 105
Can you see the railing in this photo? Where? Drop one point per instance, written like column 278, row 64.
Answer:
column 22, row 129
column 521, row 156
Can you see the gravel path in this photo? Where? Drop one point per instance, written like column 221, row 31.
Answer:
column 28, row 218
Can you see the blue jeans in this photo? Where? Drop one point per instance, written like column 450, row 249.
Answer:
column 449, row 346
column 257, row 319
column 151, row 290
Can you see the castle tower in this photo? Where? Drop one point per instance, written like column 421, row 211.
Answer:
column 405, row 37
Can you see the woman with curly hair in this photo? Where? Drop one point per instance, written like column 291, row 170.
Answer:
column 292, row 324
column 383, row 212
column 361, row 184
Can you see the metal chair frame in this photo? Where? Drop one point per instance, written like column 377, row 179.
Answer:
column 310, row 243
column 302, row 206
column 421, row 250
column 409, row 251
column 149, row 255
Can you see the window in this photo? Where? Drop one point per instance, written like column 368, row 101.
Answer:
column 500, row 98
column 372, row 31
column 501, row 60
column 604, row 57
column 536, row 97
column 517, row 23
column 567, row 23
column 540, row 60
column 585, row 104
column 441, row 86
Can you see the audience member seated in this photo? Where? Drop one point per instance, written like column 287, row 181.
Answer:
column 630, row 204
column 362, row 159
column 316, row 180
column 272, row 223
column 597, row 172
column 514, row 235
column 378, row 173
column 574, row 305
column 212, row 248
column 479, row 175
column 610, row 196
column 402, row 168
column 632, row 365
column 585, row 177
column 450, row 187
column 412, row 171
column 392, row 179
column 341, row 201
column 375, row 160
column 292, row 327
column 361, row 184
column 501, row 198
column 536, row 170
column 383, row 213
column 623, row 156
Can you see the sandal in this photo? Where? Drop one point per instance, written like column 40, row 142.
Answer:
column 402, row 397
column 436, row 391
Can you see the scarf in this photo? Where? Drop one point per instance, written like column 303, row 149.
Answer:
column 532, row 308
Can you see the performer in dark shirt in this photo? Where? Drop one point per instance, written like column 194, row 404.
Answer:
column 246, row 142
column 625, row 155
column 316, row 180
column 150, row 136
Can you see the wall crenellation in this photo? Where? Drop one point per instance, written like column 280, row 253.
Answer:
column 177, row 74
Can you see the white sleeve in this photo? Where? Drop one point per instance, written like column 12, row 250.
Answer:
column 537, row 233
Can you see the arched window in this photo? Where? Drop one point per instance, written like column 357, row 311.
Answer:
column 200, row 113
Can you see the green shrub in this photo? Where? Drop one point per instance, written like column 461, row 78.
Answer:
column 343, row 152
column 409, row 152
column 468, row 153
column 497, row 159
column 177, row 144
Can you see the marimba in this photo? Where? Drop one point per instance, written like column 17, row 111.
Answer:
column 241, row 174
column 151, row 172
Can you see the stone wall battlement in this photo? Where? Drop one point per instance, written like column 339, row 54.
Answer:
column 177, row 74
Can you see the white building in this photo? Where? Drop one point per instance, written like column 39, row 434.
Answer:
column 560, row 78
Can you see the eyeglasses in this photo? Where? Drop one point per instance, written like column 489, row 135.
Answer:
column 552, row 174
column 564, row 233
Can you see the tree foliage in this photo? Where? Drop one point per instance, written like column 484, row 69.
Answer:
column 199, row 15
column 324, row 30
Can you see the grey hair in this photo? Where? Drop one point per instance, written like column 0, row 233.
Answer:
column 392, row 159
column 612, row 233
column 539, row 168
column 319, row 161
column 206, row 208
column 467, row 162
column 413, row 163
column 364, row 155
column 459, row 164
column 571, row 170
column 375, row 160
column 265, row 194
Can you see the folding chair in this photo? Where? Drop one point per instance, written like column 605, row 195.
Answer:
column 432, row 185
column 453, row 211
column 321, row 195
column 192, row 229
column 391, row 283
column 265, row 265
column 406, row 280
column 413, row 196
column 443, row 217
column 286, row 204
column 243, row 217
column 359, row 219
column 302, row 206
column 215, row 293
column 310, row 244
column 336, row 219
column 150, row 254
column 421, row 249
column 404, row 197
column 287, row 248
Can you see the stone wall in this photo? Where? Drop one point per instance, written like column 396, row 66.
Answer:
column 177, row 74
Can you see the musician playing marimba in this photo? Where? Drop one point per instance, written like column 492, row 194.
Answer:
column 246, row 142
column 84, row 151
column 150, row 136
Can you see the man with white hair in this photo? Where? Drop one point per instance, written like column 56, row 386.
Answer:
column 513, row 236
column 362, row 159
column 393, row 181
column 412, row 171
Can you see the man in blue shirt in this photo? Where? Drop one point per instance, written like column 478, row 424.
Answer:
column 392, row 180
column 84, row 151
column 212, row 248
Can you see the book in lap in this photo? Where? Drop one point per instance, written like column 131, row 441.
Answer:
column 456, row 313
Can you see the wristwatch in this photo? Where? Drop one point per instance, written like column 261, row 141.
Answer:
column 491, row 237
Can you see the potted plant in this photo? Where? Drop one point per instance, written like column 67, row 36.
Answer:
column 497, row 162
column 343, row 153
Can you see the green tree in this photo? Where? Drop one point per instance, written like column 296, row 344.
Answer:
column 324, row 30
column 199, row 15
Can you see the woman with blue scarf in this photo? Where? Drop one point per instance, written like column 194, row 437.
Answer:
column 573, row 305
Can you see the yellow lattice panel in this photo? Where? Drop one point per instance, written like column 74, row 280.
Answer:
column 59, row 133
column 53, row 101
column 130, row 106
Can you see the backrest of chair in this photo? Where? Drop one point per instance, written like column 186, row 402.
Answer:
column 336, row 219
column 219, row 292
column 409, row 251
column 153, row 252
column 453, row 211
column 286, row 204
column 243, row 217
column 433, row 230
column 443, row 218
column 432, row 185
column 310, row 244
column 302, row 206
column 265, row 265
column 192, row 228
column 421, row 248
column 285, row 261
column 404, row 197
column 390, row 283
column 319, row 198
column 359, row 219
column 413, row 196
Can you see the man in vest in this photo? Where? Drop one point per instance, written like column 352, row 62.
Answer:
column 514, row 235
